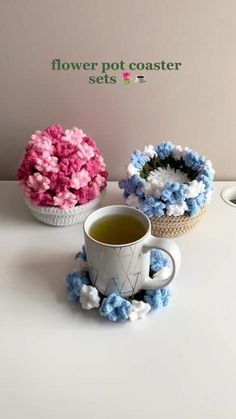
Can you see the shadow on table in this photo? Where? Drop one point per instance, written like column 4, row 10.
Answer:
column 42, row 277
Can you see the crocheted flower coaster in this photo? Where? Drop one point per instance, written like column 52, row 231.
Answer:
column 115, row 307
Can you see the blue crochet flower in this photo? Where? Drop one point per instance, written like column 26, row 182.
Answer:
column 138, row 182
column 138, row 159
column 166, row 293
column 196, row 204
column 193, row 160
column 208, row 173
column 158, row 260
column 164, row 149
column 193, row 207
column 153, row 207
column 157, row 298
column 75, row 282
column 121, row 183
column 174, row 192
column 128, row 185
column 81, row 254
column 207, row 182
column 115, row 308
column 132, row 185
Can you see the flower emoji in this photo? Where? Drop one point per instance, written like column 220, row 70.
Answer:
column 127, row 77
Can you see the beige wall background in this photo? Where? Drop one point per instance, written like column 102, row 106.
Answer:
column 194, row 107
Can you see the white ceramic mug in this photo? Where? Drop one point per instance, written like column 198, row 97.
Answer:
column 124, row 269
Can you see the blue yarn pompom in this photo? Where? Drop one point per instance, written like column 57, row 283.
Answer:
column 81, row 254
column 132, row 185
column 153, row 207
column 75, row 282
column 115, row 308
column 157, row 298
column 164, row 149
column 165, row 293
column 193, row 160
column 195, row 205
column 158, row 260
column 138, row 159
column 207, row 182
column 174, row 192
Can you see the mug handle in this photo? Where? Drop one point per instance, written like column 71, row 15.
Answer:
column 172, row 250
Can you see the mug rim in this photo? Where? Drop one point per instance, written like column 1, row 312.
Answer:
column 85, row 228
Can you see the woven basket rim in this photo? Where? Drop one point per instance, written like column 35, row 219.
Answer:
column 59, row 211
column 184, row 217
column 170, row 226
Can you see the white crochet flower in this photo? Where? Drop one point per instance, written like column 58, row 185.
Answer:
column 138, row 310
column 195, row 188
column 149, row 151
column 131, row 170
column 89, row 297
column 165, row 272
column 162, row 176
column 82, row 265
column 177, row 152
column 176, row 209
column 208, row 164
column 133, row 200
column 153, row 188
column 208, row 198
column 157, row 179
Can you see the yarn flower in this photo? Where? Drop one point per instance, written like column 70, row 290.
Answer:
column 164, row 149
column 158, row 260
column 157, row 298
column 89, row 297
column 193, row 160
column 38, row 182
column 177, row 152
column 62, row 168
column 81, row 254
column 152, row 207
column 174, row 192
column 149, row 151
column 138, row 310
column 138, row 159
column 75, row 281
column 195, row 205
column 81, row 259
column 115, row 308
column 176, row 209
column 195, row 188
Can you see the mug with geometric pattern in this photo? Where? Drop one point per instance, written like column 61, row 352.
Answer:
column 124, row 269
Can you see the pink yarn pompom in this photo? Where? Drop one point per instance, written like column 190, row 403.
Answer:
column 62, row 168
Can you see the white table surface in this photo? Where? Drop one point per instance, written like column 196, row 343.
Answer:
column 57, row 361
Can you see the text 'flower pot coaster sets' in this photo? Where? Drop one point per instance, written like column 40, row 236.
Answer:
column 171, row 185
column 62, row 175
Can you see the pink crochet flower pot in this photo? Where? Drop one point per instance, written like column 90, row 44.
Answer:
column 62, row 175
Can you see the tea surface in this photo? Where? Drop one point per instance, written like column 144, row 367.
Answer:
column 117, row 229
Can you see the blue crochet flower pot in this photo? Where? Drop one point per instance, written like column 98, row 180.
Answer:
column 171, row 185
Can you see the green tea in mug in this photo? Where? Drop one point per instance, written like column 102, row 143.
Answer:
column 117, row 229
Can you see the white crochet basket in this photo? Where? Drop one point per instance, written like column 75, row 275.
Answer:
column 60, row 217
